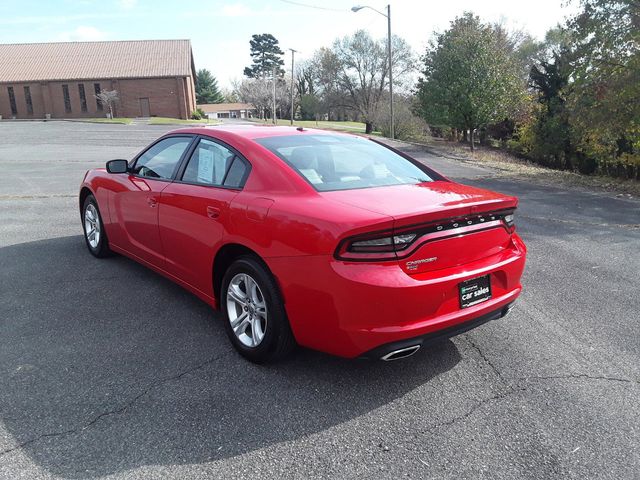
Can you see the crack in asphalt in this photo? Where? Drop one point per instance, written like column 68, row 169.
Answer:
column 579, row 376
column 115, row 411
column 512, row 389
column 494, row 398
column 31, row 197
column 486, row 360
column 630, row 226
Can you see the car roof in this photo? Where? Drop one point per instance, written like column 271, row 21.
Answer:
column 254, row 131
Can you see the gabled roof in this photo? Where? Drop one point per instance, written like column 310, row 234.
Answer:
column 224, row 107
column 32, row 62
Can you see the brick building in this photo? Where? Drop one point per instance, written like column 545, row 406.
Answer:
column 152, row 78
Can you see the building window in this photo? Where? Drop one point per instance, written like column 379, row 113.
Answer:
column 96, row 89
column 67, row 99
column 83, row 98
column 12, row 101
column 27, row 99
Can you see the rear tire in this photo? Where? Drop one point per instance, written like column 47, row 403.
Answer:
column 254, row 314
column 94, row 234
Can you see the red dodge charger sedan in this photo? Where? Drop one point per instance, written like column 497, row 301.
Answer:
column 330, row 241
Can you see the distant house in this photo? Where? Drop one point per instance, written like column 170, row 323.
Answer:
column 59, row 80
column 228, row 110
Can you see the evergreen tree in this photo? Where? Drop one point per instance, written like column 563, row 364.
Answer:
column 266, row 55
column 207, row 90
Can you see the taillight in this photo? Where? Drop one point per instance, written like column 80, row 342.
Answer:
column 383, row 244
column 509, row 219
column 391, row 245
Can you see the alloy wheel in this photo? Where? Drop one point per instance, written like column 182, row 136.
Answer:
column 247, row 310
column 92, row 225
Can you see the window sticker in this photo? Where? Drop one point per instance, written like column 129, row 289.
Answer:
column 380, row 170
column 312, row 175
column 205, row 166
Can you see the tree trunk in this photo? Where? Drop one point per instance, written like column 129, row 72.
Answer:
column 368, row 127
column 471, row 132
column 464, row 135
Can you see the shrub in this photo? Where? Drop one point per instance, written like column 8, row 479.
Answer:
column 198, row 114
column 407, row 125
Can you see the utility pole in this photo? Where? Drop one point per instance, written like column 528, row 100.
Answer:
column 292, row 64
column 274, row 96
column 357, row 8
column 393, row 130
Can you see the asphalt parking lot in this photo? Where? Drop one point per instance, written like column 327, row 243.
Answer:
column 109, row 370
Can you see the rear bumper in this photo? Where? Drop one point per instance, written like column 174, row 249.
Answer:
column 351, row 309
column 385, row 350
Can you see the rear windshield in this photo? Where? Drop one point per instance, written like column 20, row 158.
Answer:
column 333, row 162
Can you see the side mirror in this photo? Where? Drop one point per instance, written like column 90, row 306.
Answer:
column 117, row 166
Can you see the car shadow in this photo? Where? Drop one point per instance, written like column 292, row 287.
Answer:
column 107, row 367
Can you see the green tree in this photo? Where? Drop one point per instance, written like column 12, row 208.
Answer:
column 469, row 79
column 550, row 132
column 207, row 90
column 266, row 55
column 604, row 104
column 587, row 82
column 310, row 107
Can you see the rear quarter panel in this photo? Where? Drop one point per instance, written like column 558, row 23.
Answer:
column 295, row 225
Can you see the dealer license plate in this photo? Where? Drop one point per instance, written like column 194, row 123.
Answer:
column 474, row 291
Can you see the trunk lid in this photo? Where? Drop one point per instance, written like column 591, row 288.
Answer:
column 454, row 222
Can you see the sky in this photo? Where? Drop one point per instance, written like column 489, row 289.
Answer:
column 220, row 30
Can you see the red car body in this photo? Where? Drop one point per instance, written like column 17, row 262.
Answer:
column 337, row 302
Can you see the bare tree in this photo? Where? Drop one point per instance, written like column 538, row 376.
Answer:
column 326, row 69
column 229, row 95
column 364, row 71
column 305, row 77
column 407, row 125
column 108, row 98
column 259, row 92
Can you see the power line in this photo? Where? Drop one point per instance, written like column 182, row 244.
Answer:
column 317, row 7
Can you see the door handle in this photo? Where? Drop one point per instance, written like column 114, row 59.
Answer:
column 213, row 212
column 152, row 201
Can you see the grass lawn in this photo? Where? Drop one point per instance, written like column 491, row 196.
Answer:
column 125, row 121
column 178, row 121
column 355, row 127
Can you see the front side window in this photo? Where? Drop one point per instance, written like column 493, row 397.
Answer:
column 216, row 165
column 332, row 162
column 161, row 160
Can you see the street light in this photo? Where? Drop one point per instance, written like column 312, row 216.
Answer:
column 388, row 17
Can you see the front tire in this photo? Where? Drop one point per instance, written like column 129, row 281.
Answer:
column 255, row 318
column 94, row 234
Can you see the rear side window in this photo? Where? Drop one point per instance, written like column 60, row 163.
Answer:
column 215, row 165
column 162, row 158
column 332, row 162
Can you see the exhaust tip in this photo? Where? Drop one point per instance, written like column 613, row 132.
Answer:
column 401, row 353
column 507, row 310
